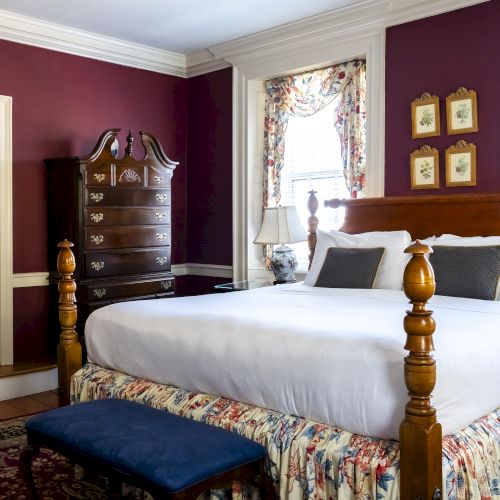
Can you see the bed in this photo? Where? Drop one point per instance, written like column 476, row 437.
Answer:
column 310, row 454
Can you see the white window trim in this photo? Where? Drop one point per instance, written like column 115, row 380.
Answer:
column 247, row 151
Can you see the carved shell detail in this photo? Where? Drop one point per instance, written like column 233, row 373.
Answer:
column 166, row 285
column 129, row 175
column 96, row 197
column 97, row 265
column 99, row 292
column 96, row 239
column 161, row 236
column 99, row 177
column 97, row 217
column 161, row 260
column 161, row 215
column 161, row 197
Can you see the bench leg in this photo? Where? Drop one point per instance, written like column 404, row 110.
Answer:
column 25, row 459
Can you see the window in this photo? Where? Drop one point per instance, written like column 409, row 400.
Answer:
column 313, row 161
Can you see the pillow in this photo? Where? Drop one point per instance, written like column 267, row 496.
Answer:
column 350, row 267
column 390, row 273
column 466, row 271
column 466, row 241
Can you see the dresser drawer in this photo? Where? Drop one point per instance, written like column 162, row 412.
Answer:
column 122, row 262
column 126, row 197
column 98, row 175
column 130, row 216
column 126, row 237
column 130, row 289
column 158, row 177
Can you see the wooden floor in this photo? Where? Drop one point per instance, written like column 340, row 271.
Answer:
column 28, row 405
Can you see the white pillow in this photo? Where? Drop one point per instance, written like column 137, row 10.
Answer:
column 392, row 264
column 452, row 240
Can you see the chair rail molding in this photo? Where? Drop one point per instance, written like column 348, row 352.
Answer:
column 6, row 300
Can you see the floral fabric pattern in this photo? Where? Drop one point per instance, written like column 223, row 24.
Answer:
column 304, row 95
column 308, row 459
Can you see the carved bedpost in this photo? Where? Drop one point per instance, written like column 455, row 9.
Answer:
column 420, row 433
column 312, row 222
column 69, row 350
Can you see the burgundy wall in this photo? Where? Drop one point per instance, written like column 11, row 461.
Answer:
column 61, row 104
column 209, row 145
column 438, row 55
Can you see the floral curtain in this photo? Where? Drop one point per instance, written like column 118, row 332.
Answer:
column 304, row 95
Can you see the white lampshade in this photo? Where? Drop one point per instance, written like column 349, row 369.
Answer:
column 281, row 225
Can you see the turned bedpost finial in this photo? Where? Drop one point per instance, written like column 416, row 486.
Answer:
column 130, row 140
column 312, row 222
column 419, row 433
column 69, row 350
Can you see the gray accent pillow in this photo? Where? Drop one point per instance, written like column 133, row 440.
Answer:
column 350, row 267
column 470, row 272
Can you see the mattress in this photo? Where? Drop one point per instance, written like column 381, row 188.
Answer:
column 330, row 355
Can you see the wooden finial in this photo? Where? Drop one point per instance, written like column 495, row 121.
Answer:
column 69, row 350
column 312, row 222
column 420, row 434
column 130, row 140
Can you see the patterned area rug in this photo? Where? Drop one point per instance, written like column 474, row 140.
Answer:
column 54, row 475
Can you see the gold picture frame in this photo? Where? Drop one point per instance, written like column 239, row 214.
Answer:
column 461, row 111
column 424, row 165
column 461, row 164
column 425, row 119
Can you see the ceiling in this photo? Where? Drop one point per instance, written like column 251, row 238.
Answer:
column 182, row 26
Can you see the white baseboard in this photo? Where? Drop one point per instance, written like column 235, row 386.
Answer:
column 28, row 383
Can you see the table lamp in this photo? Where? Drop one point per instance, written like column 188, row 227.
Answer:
column 282, row 225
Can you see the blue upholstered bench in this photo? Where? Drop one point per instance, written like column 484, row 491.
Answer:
column 167, row 455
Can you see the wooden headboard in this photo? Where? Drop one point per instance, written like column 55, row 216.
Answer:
column 421, row 216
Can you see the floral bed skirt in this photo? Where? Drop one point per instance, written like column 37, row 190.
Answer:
column 312, row 460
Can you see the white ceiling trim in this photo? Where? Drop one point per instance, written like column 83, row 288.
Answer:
column 28, row 30
column 347, row 21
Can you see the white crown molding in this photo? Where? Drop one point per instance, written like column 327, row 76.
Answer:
column 403, row 11
column 347, row 23
column 202, row 62
column 6, row 300
column 27, row 30
column 340, row 23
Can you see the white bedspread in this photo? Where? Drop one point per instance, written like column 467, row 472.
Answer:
column 331, row 355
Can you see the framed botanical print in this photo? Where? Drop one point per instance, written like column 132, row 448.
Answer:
column 461, row 164
column 424, row 164
column 425, row 121
column 461, row 111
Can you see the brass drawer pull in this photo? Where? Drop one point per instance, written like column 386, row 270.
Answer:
column 96, row 239
column 97, row 265
column 161, row 215
column 99, row 292
column 161, row 236
column 159, row 179
column 96, row 197
column 161, row 260
column 97, row 217
column 166, row 285
column 99, row 177
column 161, row 197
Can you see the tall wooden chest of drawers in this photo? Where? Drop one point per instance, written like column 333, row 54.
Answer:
column 117, row 213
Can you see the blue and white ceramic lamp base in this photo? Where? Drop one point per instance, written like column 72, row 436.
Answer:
column 283, row 264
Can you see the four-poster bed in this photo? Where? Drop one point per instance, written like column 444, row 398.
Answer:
column 421, row 446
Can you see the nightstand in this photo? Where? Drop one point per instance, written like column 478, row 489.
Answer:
column 237, row 286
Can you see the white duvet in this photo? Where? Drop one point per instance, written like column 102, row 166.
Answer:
column 330, row 355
